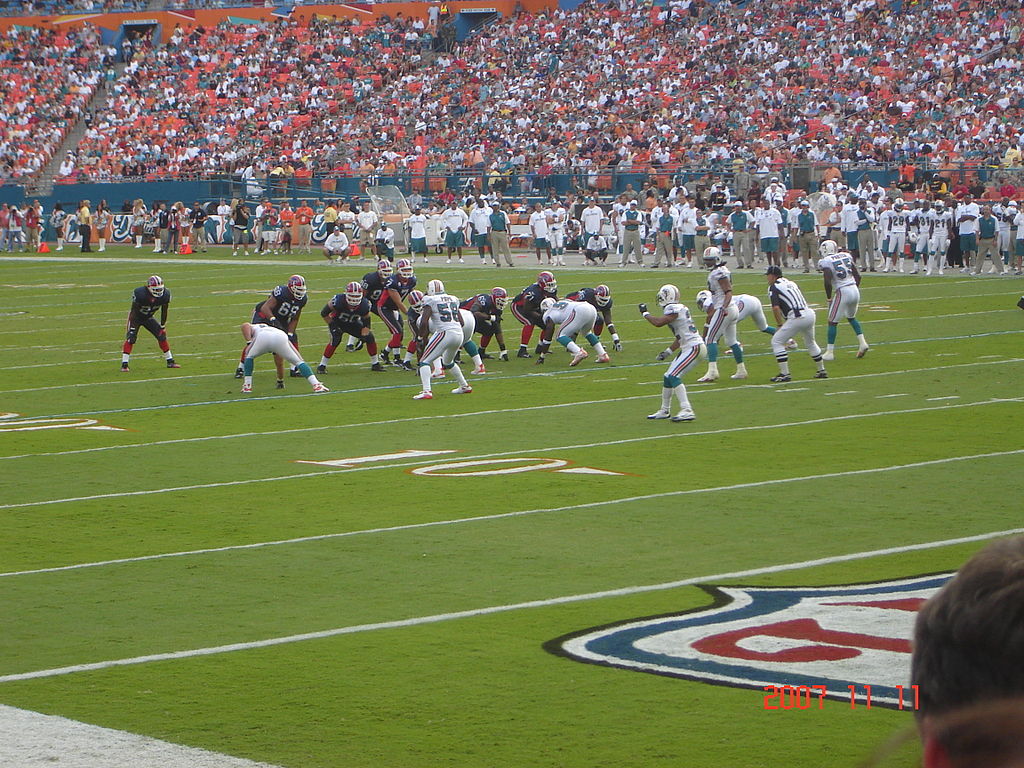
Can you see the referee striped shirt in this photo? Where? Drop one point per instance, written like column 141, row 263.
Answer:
column 786, row 295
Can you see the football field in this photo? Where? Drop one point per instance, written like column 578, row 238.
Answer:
column 360, row 579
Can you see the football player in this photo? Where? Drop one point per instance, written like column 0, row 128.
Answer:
column 938, row 244
column 280, row 310
column 722, row 316
column 261, row 338
column 601, row 299
column 373, row 288
column 146, row 299
column 349, row 312
column 442, row 319
column 415, row 301
column 842, row 289
column 486, row 309
column 526, row 307
column 691, row 350
column 572, row 318
column 794, row 316
column 391, row 308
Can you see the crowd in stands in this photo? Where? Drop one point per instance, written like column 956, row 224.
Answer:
column 58, row 7
column 621, row 85
column 48, row 77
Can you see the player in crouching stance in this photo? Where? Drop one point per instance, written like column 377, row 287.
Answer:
column 145, row 301
column 722, row 316
column 691, row 350
column 842, row 289
column 349, row 312
column 441, row 317
column 793, row 316
column 571, row 317
column 261, row 339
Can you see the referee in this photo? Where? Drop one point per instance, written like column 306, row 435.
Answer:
column 793, row 316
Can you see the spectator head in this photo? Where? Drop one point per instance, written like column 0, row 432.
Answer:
column 969, row 637
column 986, row 211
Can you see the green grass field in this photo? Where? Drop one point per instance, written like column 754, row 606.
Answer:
column 436, row 595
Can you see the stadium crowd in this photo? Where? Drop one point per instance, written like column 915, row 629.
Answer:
column 621, row 85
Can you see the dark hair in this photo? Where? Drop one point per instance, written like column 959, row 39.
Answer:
column 774, row 269
column 985, row 735
column 969, row 637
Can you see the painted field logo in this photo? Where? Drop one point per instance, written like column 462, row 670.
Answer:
column 755, row 637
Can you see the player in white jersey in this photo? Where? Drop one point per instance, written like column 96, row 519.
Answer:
column 691, row 349
column 922, row 223
column 842, row 289
column 938, row 243
column 442, row 319
column 746, row 306
column 571, row 317
column 262, row 339
column 559, row 216
column 794, row 316
column 722, row 316
column 896, row 236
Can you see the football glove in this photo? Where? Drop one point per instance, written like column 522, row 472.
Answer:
column 503, row 356
column 616, row 345
column 643, row 308
column 663, row 355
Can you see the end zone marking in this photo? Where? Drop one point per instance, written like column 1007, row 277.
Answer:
column 493, row 609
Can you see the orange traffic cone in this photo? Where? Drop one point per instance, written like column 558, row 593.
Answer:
column 185, row 249
column 43, row 248
column 353, row 250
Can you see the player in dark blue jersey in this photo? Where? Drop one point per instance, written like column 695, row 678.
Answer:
column 487, row 309
column 349, row 312
column 391, row 308
column 146, row 299
column 373, row 287
column 280, row 310
column 601, row 299
column 526, row 307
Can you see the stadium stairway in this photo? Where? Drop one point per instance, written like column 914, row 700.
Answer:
column 42, row 182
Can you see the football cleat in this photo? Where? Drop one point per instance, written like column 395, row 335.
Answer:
column 706, row 378
column 321, row 369
column 350, row 347
column 354, row 293
column 280, row 383
column 821, row 375
column 424, row 395
column 603, row 295
column 239, row 372
column 479, row 369
column 155, row 286
column 547, row 283
column 462, row 390
column 578, row 358
column 247, row 387
column 863, row 351
column 376, row 367
column 684, row 416
column 782, row 378
column 124, row 368
column 405, row 365
column 319, row 388
column 297, row 286
column 500, row 296
column 172, row 364
column 357, row 346
column 828, row 357
column 485, row 356
column 523, row 353
column 661, row 414
column 739, row 375
column 605, row 358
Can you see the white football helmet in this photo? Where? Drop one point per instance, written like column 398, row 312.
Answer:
column 668, row 294
column 435, row 288
column 703, row 299
column 828, row 248
column 712, row 256
column 546, row 304
column 155, row 286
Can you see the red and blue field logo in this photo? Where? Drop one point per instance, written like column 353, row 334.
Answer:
column 825, row 639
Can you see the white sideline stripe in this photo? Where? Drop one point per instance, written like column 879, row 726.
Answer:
column 543, row 603
column 707, row 390
column 34, row 740
column 519, row 452
column 895, row 394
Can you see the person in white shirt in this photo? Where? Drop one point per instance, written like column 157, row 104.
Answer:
column 1018, row 242
column 938, row 243
column 691, row 350
column 1002, row 212
column 558, row 215
column 480, row 226
column 687, row 224
column 336, row 247
column 922, row 225
column 768, row 222
column 261, row 339
column 842, row 289
column 453, row 224
column 596, row 250
column 592, row 218
column 967, row 215
column 540, row 224
column 384, row 241
column 894, row 224
column 722, row 316
column 367, row 221
column 417, row 227
column 849, row 222
column 441, row 319
column 572, row 318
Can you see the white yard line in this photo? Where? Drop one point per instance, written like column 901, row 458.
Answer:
column 517, row 452
column 715, row 578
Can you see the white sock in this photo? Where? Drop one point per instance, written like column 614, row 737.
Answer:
column 313, row 380
column 248, row 381
column 323, row 361
column 459, row 377
column 425, row 377
column 478, row 361
column 666, row 398
column 599, row 348
column 168, row 355
column 684, row 401
column 124, row 358
column 573, row 347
